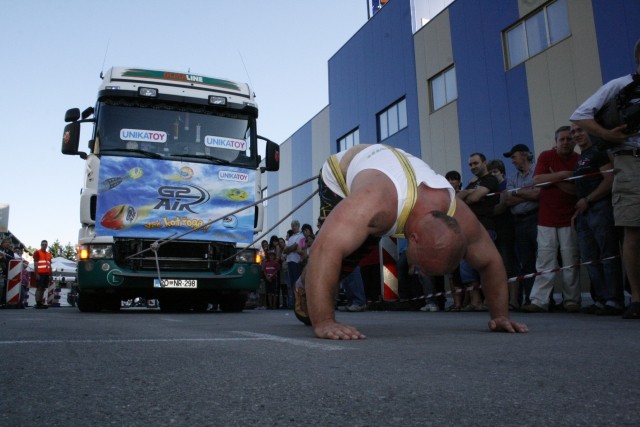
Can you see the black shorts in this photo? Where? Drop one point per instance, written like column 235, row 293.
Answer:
column 328, row 201
column 43, row 281
column 272, row 286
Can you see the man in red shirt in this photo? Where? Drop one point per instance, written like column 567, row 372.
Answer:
column 556, row 207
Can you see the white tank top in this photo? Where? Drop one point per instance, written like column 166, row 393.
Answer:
column 381, row 158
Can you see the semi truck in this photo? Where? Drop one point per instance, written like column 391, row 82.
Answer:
column 172, row 186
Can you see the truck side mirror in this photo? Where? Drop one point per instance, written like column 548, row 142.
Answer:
column 71, row 139
column 272, row 157
column 72, row 115
column 87, row 113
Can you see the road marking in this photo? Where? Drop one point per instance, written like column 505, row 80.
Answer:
column 248, row 336
column 321, row 345
column 132, row 340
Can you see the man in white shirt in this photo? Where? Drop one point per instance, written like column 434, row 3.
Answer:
column 625, row 147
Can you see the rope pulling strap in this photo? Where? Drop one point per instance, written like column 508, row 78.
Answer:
column 335, row 168
column 544, row 184
column 155, row 246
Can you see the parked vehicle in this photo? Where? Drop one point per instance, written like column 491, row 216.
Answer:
column 170, row 152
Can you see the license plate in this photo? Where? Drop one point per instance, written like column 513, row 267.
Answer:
column 175, row 283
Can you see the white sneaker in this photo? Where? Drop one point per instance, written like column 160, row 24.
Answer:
column 356, row 308
column 430, row 307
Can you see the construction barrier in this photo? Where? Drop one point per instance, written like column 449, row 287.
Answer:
column 50, row 294
column 389, row 268
column 55, row 301
column 13, row 282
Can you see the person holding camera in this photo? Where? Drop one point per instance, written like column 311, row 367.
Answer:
column 612, row 113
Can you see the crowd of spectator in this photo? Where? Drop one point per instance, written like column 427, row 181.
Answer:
column 282, row 260
column 548, row 217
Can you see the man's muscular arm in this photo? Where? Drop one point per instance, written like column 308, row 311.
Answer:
column 483, row 256
column 366, row 211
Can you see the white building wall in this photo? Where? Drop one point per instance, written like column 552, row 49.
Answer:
column 562, row 76
column 439, row 136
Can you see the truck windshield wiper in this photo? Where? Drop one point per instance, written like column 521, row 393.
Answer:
column 133, row 150
column 212, row 159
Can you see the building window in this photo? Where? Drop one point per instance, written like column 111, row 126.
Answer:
column 392, row 120
column 536, row 32
column 349, row 140
column 444, row 88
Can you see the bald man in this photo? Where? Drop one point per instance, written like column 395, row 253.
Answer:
column 370, row 191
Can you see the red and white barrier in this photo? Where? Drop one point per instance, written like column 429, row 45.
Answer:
column 13, row 283
column 55, row 302
column 50, row 294
column 389, row 268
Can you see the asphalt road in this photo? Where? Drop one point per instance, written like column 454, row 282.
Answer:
column 142, row 367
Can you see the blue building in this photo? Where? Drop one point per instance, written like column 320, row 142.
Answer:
column 445, row 78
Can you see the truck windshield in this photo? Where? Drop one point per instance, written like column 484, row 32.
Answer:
column 136, row 128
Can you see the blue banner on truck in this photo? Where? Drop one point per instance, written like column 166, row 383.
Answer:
column 159, row 198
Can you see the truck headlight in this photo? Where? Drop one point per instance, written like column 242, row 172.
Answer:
column 95, row 251
column 246, row 256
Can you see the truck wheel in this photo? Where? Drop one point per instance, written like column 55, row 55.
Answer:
column 112, row 303
column 88, row 303
column 233, row 303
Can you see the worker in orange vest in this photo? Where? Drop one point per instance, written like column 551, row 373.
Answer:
column 42, row 270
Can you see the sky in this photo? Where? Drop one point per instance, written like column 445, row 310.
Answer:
column 53, row 52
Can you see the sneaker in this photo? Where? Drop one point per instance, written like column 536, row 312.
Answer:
column 610, row 310
column 572, row 307
column 632, row 312
column 356, row 308
column 592, row 309
column 431, row 307
column 532, row 308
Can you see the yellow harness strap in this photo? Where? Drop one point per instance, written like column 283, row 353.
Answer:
column 334, row 164
column 452, row 207
column 412, row 188
column 412, row 192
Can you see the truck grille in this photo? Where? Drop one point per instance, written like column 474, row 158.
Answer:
column 176, row 255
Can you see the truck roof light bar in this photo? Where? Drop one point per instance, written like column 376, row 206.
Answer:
column 218, row 100
column 148, row 92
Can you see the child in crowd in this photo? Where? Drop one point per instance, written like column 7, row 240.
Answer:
column 270, row 269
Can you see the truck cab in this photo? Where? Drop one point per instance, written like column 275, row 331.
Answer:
column 171, row 195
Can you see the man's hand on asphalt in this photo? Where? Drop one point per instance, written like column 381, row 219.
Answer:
column 330, row 329
column 504, row 324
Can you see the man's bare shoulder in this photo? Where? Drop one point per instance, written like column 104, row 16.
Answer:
column 373, row 196
column 373, row 180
